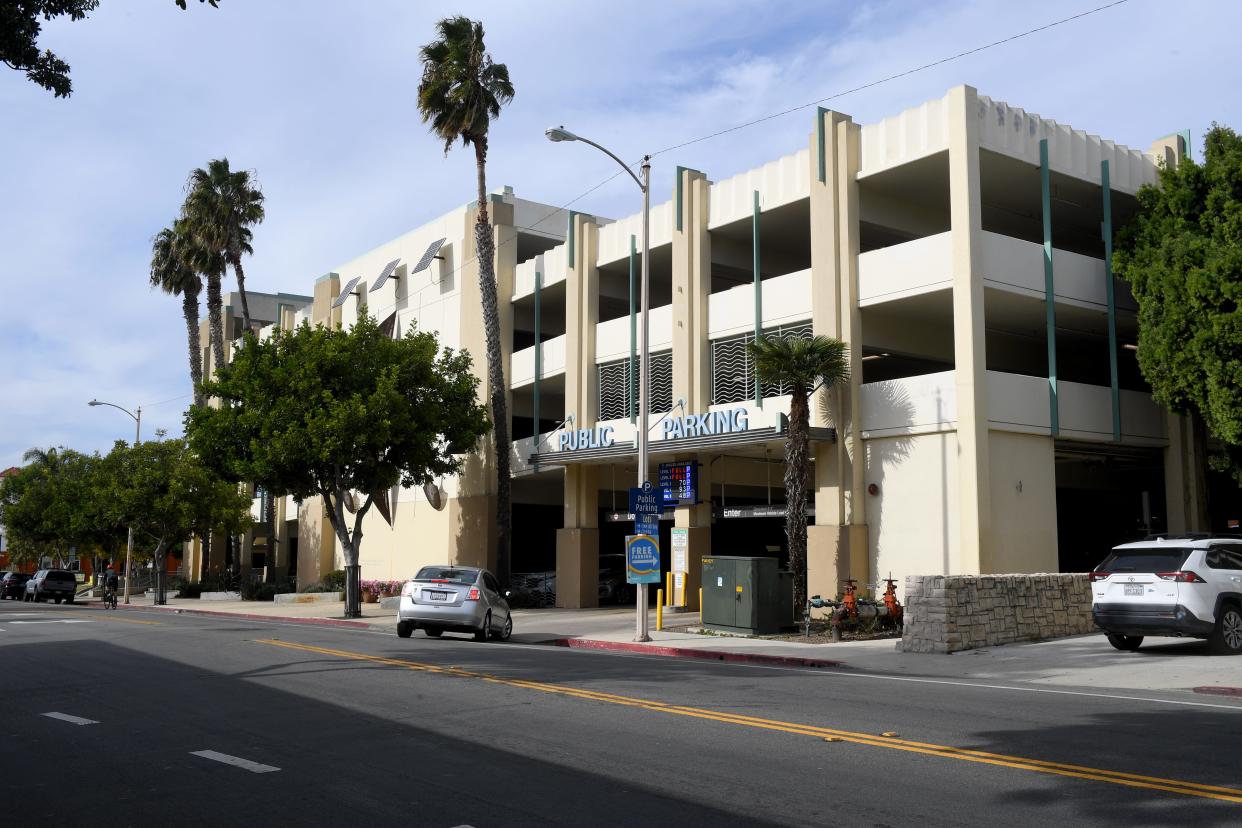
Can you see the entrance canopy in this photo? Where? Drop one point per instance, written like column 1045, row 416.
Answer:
column 683, row 445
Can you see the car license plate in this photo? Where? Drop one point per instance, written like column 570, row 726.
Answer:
column 1134, row 589
column 438, row 596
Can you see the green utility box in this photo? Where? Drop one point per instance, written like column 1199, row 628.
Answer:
column 746, row 595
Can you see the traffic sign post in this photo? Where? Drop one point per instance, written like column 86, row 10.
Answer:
column 642, row 559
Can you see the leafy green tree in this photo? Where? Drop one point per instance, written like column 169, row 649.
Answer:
column 801, row 365
column 167, row 494
column 461, row 93
column 320, row 411
column 1182, row 255
column 19, row 34
column 220, row 208
column 173, row 271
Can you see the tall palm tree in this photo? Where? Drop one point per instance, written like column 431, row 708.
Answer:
column 172, row 271
column 461, row 92
column 800, row 365
column 222, row 205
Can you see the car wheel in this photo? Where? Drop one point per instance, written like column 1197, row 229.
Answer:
column 1128, row 643
column 58, row 600
column 69, row 600
column 484, row 632
column 432, row 632
column 507, row 630
column 404, row 629
column 1227, row 637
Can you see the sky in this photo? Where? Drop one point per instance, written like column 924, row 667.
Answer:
column 318, row 97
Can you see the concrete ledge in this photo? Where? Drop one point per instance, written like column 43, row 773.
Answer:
column 220, row 596
column 391, row 602
column 309, row 598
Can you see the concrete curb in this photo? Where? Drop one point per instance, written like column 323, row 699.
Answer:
column 1213, row 690
column 254, row 616
column 687, row 652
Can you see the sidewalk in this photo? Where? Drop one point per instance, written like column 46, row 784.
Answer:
column 1163, row 664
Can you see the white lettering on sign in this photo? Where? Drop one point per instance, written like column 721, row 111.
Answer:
column 706, row 425
column 585, row 438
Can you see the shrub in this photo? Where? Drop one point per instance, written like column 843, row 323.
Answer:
column 259, row 591
column 189, row 589
column 334, row 581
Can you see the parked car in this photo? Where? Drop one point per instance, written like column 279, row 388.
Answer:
column 1187, row 585
column 13, row 585
column 52, row 584
column 454, row 598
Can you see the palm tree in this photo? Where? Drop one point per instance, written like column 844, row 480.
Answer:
column 172, row 271
column 800, row 365
column 222, row 205
column 461, row 92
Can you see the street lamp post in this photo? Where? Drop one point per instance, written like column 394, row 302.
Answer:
column 558, row 134
column 129, row 544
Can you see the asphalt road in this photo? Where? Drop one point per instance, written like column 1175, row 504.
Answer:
column 205, row 721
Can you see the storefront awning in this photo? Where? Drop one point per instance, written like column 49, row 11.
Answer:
column 662, row 448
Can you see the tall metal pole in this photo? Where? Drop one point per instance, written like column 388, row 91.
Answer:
column 644, row 384
column 129, row 544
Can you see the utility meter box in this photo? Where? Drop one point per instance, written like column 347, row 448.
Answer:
column 745, row 595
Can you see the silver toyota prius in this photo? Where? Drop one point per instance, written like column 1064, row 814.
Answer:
column 457, row 599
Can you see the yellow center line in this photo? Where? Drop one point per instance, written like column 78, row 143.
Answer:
column 130, row 621
column 1132, row 780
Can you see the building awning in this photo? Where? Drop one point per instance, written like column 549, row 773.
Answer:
column 661, row 448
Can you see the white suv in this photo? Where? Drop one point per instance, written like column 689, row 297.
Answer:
column 1188, row 585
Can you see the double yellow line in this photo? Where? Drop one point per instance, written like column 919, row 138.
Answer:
column 1131, row 780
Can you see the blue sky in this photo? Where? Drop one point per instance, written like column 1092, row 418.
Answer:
column 318, row 96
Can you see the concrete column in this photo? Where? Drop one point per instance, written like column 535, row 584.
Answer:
column 316, row 542
column 692, row 285
column 577, row 545
column 970, row 358
column 837, row 545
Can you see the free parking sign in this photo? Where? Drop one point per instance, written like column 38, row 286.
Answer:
column 642, row 559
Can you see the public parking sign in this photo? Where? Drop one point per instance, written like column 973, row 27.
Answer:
column 646, row 501
column 642, row 559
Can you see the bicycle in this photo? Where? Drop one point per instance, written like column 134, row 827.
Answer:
column 110, row 598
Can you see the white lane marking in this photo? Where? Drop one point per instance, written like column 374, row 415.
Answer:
column 57, row 621
column 236, row 761
column 65, row 717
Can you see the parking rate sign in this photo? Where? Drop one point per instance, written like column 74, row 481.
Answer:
column 642, row 559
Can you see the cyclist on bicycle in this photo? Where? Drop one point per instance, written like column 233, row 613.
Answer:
column 110, row 584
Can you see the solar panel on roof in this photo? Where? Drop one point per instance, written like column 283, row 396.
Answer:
column 349, row 288
column 432, row 250
column 383, row 277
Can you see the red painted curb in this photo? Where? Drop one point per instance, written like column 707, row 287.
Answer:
column 1219, row 691
column 250, row 616
column 686, row 652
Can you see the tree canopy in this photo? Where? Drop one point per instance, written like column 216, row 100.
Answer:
column 20, row 26
column 328, row 412
column 1182, row 255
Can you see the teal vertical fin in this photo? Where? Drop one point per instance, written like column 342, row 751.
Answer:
column 538, row 355
column 1050, row 299
column 632, row 374
column 754, row 232
column 1106, row 191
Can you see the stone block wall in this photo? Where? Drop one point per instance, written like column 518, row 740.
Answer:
column 947, row 613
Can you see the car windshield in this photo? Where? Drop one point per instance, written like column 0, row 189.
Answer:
column 452, row 574
column 18, row 576
column 1144, row 560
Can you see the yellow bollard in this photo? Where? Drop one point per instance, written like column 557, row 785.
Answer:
column 700, row 605
column 659, row 609
column 668, row 587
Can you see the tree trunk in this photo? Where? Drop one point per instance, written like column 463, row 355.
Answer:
column 795, row 491
column 215, row 321
column 350, row 544
column 241, row 291
column 189, row 307
column 495, row 365
column 270, row 516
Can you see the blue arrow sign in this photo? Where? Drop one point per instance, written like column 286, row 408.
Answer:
column 646, row 501
column 642, row 559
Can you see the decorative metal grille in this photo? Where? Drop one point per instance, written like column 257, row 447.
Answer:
column 733, row 373
column 614, row 391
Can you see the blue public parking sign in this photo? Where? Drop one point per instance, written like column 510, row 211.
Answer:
column 642, row 559
column 647, row 500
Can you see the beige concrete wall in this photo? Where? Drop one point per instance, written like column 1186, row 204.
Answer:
column 914, row 514
column 1024, row 503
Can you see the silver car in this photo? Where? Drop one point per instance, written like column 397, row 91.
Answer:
column 454, row 598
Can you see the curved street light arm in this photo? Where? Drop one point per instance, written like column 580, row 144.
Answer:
column 114, row 405
column 613, row 156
